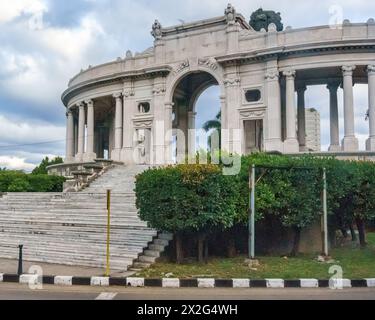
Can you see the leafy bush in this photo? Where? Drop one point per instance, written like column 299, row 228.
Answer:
column 19, row 185
column 17, row 181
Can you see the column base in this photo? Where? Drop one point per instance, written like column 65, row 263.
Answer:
column 78, row 157
column 291, row 146
column 116, row 155
column 273, row 145
column 350, row 144
column 69, row 160
column 334, row 148
column 89, row 157
column 370, row 144
column 126, row 156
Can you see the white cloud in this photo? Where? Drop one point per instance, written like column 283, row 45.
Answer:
column 11, row 9
column 15, row 163
column 23, row 133
column 55, row 56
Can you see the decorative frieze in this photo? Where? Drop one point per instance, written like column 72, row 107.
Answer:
column 182, row 66
column 208, row 62
column 253, row 114
column 158, row 90
column 230, row 82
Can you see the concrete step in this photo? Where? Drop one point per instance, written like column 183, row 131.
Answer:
column 151, row 253
column 147, row 259
column 140, row 265
column 161, row 242
column 166, row 236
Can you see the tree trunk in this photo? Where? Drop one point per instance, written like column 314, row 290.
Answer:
column 179, row 250
column 352, row 232
column 361, row 232
column 344, row 232
column 296, row 241
column 201, row 240
column 231, row 247
column 206, row 250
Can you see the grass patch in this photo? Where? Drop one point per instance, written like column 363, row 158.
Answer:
column 356, row 263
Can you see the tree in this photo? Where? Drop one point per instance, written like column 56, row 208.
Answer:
column 42, row 168
column 188, row 199
column 215, row 125
column 261, row 19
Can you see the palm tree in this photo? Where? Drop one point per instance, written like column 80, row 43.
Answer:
column 215, row 125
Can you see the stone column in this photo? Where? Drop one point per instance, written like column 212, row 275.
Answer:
column 370, row 143
column 90, row 155
column 350, row 142
column 232, row 139
column 291, row 143
column 168, row 131
column 115, row 154
column 272, row 139
column 75, row 135
column 69, row 155
column 334, row 117
column 127, row 125
column 191, row 133
column 81, row 131
column 301, row 116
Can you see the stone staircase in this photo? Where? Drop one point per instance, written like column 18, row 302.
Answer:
column 70, row 228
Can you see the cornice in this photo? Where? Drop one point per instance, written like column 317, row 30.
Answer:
column 293, row 51
column 113, row 79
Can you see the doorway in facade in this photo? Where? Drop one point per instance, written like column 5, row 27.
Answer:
column 253, row 131
column 189, row 114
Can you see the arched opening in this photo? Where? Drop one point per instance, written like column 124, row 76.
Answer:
column 195, row 102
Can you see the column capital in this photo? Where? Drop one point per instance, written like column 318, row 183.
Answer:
column 290, row 73
column 169, row 105
column 272, row 75
column 117, row 95
column 348, row 70
column 301, row 87
column 371, row 69
column 81, row 105
column 333, row 85
column 89, row 103
column 126, row 93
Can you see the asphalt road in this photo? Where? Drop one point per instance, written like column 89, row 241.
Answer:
column 22, row 292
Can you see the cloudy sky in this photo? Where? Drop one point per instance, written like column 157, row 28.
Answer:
column 43, row 43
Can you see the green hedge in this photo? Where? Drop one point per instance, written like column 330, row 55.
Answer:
column 187, row 198
column 200, row 198
column 17, row 181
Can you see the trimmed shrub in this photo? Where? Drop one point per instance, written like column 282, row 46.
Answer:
column 17, row 181
column 188, row 198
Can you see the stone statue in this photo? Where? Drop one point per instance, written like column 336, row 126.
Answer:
column 261, row 19
column 156, row 30
column 129, row 54
column 230, row 14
